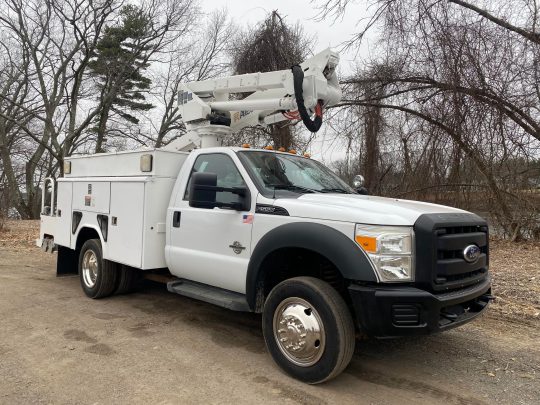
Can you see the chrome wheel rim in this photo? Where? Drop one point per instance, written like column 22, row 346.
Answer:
column 89, row 268
column 299, row 331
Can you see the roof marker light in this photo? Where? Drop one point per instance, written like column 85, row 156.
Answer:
column 146, row 163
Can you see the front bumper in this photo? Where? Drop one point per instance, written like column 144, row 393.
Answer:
column 389, row 311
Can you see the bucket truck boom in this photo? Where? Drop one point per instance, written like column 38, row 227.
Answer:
column 212, row 109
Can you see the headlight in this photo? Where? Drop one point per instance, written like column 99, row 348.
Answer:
column 390, row 250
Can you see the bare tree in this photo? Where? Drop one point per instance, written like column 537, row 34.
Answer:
column 272, row 45
column 46, row 102
column 469, row 81
column 197, row 56
column 50, row 56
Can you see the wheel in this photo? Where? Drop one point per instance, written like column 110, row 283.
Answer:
column 98, row 276
column 308, row 329
column 128, row 279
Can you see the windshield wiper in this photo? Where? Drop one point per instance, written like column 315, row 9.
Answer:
column 292, row 187
column 335, row 190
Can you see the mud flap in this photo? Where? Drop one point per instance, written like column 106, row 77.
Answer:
column 66, row 262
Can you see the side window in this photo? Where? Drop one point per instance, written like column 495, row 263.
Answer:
column 227, row 175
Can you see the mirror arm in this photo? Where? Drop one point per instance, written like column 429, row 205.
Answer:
column 235, row 190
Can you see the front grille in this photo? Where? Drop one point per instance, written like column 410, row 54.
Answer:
column 441, row 240
column 451, row 269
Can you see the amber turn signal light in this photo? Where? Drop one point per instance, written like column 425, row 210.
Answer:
column 368, row 243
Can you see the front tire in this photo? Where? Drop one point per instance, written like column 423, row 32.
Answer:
column 98, row 276
column 308, row 329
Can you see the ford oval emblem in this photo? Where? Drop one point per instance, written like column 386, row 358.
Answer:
column 471, row 253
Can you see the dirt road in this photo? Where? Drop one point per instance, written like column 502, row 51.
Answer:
column 57, row 346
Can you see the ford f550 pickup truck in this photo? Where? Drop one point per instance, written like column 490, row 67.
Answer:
column 266, row 231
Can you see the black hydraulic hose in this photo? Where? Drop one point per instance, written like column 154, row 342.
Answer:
column 298, row 80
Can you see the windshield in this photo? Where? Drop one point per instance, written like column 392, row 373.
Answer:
column 279, row 174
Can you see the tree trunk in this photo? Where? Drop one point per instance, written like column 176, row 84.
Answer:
column 15, row 196
column 281, row 137
column 371, row 147
column 102, row 129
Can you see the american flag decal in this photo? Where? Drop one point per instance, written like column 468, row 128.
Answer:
column 247, row 218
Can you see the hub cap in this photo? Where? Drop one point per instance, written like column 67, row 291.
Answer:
column 299, row 331
column 89, row 268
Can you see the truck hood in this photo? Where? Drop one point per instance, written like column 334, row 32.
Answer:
column 360, row 208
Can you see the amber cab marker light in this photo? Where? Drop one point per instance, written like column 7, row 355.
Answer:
column 368, row 243
column 307, row 155
column 282, row 149
column 292, row 151
column 269, row 147
column 245, row 145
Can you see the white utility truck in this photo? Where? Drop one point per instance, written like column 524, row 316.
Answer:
column 267, row 231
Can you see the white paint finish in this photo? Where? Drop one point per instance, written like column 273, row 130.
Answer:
column 89, row 220
column 138, row 200
column 360, row 208
column 99, row 197
column 263, row 224
column 161, row 227
column 48, row 226
column 156, row 199
column 125, row 239
column 200, row 249
column 165, row 163
column 63, row 232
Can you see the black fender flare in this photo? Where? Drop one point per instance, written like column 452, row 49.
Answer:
column 343, row 252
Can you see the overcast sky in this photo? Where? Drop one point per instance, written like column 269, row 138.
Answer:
column 326, row 147
column 327, row 33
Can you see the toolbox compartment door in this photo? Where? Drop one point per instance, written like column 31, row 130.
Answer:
column 63, row 213
column 93, row 196
column 125, row 236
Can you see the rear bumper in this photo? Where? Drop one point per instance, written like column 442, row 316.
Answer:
column 391, row 311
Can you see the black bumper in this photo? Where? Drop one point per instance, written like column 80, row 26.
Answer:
column 389, row 311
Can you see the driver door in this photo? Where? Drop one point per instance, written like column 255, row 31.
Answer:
column 212, row 245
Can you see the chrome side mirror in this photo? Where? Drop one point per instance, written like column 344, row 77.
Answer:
column 358, row 181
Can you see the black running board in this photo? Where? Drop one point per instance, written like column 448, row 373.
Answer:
column 213, row 295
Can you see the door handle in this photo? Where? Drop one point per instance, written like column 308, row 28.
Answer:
column 176, row 219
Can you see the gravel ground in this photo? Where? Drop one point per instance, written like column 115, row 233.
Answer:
column 57, row 346
column 516, row 280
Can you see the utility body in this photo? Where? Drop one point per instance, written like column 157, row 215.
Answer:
column 267, row 231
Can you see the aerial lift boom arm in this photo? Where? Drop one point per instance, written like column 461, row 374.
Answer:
column 212, row 109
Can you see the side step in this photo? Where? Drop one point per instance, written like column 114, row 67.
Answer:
column 213, row 295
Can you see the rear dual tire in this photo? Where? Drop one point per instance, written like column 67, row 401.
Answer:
column 101, row 278
column 98, row 276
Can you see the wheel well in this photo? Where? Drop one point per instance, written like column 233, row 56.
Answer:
column 84, row 235
column 285, row 263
